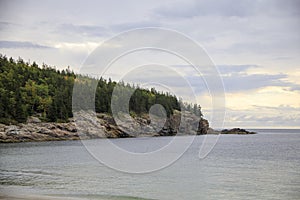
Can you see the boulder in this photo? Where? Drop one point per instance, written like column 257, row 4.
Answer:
column 33, row 120
column 12, row 130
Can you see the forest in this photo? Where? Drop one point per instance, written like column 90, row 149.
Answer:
column 27, row 89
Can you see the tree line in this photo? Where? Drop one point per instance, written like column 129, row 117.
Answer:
column 31, row 90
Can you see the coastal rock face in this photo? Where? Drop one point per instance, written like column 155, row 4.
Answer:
column 184, row 123
column 100, row 125
column 37, row 132
column 203, row 127
column 87, row 126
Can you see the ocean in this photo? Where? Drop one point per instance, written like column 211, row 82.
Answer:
column 261, row 166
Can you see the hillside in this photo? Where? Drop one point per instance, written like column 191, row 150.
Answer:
column 45, row 92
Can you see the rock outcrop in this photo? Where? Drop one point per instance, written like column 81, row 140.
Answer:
column 37, row 132
column 203, row 127
column 185, row 123
column 238, row 131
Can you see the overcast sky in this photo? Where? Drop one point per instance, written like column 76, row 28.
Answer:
column 255, row 45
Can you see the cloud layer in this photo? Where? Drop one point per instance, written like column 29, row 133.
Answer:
column 18, row 44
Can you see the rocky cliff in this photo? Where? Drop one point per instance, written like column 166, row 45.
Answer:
column 102, row 125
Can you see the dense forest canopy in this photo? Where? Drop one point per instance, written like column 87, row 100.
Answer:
column 27, row 89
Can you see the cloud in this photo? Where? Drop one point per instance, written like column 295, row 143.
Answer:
column 228, row 69
column 283, row 108
column 19, row 44
column 238, row 31
column 203, row 8
column 237, row 82
column 84, row 30
column 229, row 8
column 133, row 25
column 103, row 31
column 237, row 79
column 6, row 25
column 263, row 116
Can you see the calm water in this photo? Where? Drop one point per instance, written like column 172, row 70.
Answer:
column 261, row 166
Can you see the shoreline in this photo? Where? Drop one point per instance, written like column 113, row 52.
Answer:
column 104, row 126
column 213, row 132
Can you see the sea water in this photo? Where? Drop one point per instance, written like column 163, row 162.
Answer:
column 261, row 166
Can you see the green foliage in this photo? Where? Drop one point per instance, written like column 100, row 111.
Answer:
column 27, row 89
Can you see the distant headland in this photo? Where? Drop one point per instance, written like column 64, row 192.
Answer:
column 36, row 105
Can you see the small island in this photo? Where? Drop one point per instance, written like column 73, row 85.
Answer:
column 236, row 131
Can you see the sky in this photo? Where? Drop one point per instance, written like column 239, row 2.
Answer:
column 255, row 45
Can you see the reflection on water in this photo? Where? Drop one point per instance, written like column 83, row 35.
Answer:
column 261, row 166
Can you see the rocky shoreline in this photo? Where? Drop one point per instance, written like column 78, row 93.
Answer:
column 104, row 126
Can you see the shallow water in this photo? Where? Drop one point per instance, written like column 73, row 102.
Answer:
column 261, row 166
